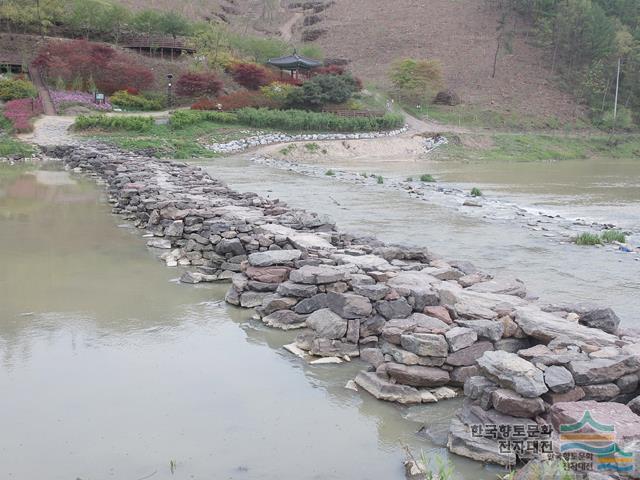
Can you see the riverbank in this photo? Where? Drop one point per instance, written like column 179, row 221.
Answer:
column 397, row 307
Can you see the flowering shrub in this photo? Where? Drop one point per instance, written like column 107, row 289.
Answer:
column 243, row 98
column 15, row 88
column 81, row 63
column 193, row 84
column 63, row 99
column 20, row 112
column 277, row 91
column 249, row 75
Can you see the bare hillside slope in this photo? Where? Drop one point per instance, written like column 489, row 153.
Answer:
column 460, row 33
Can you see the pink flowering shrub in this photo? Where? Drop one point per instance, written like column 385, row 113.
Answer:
column 64, row 98
column 20, row 112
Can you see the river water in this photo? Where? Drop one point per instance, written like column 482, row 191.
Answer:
column 112, row 369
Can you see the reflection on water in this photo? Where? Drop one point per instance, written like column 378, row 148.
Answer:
column 109, row 369
column 553, row 271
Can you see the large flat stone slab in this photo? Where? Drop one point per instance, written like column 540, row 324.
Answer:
column 511, row 371
column 547, row 327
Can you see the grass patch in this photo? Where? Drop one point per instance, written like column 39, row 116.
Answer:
column 380, row 179
column 531, row 147
column 288, row 149
column 13, row 148
column 330, row 173
column 312, row 147
column 427, row 177
column 477, row 117
column 114, row 123
column 610, row 236
column 476, row 192
column 588, row 239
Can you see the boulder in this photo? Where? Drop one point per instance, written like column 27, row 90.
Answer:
column 460, row 337
column 574, row 395
column 546, row 327
column 603, row 392
column 284, row 320
column 268, row 274
column 468, row 356
column 512, row 345
column 327, row 324
column 439, row 312
column 325, row 347
column 371, row 326
column 373, row 292
column 511, row 403
column 489, row 329
column 425, row 344
column 273, row 303
column 507, row 286
column 273, row 257
column 232, row 246
column 318, row 275
column 603, row 370
column 372, row 356
column 513, row 372
column 252, row 299
column 163, row 243
column 394, row 308
column 310, row 305
column 385, row 390
column 365, row 262
column 628, row 383
column 558, row 379
column 459, row 375
column 417, row 376
column 297, row 290
column 602, row 318
column 174, row 229
column 475, row 385
column 349, row 305
column 634, row 405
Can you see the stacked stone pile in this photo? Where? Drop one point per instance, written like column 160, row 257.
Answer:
column 423, row 326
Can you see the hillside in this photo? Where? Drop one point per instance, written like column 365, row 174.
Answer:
column 462, row 35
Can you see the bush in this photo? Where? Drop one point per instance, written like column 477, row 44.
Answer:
column 85, row 64
column 20, row 112
column 243, row 99
column 127, row 101
column 300, row 120
column 380, row 179
column 193, row 84
column 323, row 89
column 623, row 121
column 185, row 118
column 277, row 91
column 476, row 192
column 249, row 75
column 103, row 122
column 416, row 79
column 14, row 89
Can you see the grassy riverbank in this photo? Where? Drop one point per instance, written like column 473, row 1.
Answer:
column 9, row 146
column 527, row 147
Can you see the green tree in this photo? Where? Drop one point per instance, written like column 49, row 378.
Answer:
column 148, row 22
column 116, row 17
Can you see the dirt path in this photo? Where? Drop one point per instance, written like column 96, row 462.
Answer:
column 286, row 30
column 50, row 130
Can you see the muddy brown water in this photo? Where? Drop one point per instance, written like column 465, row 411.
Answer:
column 112, row 369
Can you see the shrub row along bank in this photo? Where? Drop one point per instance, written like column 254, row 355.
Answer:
column 424, row 325
column 291, row 120
column 110, row 123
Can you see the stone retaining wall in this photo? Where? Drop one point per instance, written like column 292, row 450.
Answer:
column 426, row 327
column 262, row 139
